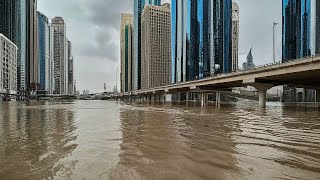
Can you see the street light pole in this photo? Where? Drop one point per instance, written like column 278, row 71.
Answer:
column 274, row 46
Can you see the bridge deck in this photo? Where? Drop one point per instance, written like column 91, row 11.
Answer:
column 304, row 73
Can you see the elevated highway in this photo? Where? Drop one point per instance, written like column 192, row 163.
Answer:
column 300, row 73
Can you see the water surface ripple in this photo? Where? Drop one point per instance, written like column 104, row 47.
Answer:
column 113, row 140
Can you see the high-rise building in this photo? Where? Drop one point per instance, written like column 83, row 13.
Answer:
column 249, row 63
column 126, row 53
column 8, row 66
column 299, row 39
column 201, row 38
column 9, row 19
column 60, row 55
column 45, row 43
column 70, row 70
column 235, row 36
column 11, row 29
column 32, row 42
column 156, row 46
column 21, row 42
column 138, row 8
column 296, row 15
column 50, row 81
column 222, row 20
column 18, row 22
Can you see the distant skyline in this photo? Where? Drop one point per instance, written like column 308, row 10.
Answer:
column 94, row 28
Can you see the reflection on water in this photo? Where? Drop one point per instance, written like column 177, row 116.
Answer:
column 109, row 140
column 33, row 138
column 172, row 144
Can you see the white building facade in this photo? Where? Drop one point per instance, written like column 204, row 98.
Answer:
column 8, row 66
column 60, row 55
column 50, row 62
column 235, row 37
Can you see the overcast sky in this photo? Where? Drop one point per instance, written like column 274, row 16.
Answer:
column 93, row 28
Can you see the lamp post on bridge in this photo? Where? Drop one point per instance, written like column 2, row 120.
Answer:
column 274, row 45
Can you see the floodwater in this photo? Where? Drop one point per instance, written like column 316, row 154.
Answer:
column 113, row 140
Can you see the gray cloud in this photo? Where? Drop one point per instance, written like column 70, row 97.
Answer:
column 93, row 28
column 101, row 11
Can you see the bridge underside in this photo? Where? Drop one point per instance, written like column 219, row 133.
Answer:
column 306, row 79
column 303, row 73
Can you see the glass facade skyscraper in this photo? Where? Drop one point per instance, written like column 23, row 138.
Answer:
column 22, row 48
column 138, row 9
column 9, row 19
column 299, row 39
column 13, row 24
column 43, row 40
column 296, row 33
column 222, row 35
column 201, row 38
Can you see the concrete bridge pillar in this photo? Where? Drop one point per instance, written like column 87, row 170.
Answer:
column 152, row 98
column 262, row 92
column 204, row 99
column 163, row 98
column 262, row 98
column 178, row 97
column 155, row 98
column 218, row 98
column 187, row 98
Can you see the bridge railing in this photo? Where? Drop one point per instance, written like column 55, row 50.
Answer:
column 278, row 63
column 282, row 62
column 265, row 65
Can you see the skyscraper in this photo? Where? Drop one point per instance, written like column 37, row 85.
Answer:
column 249, row 63
column 10, row 28
column 138, row 8
column 60, row 55
column 70, row 70
column 43, row 51
column 156, row 46
column 32, row 44
column 50, row 65
column 9, row 19
column 21, row 42
column 18, row 22
column 126, row 53
column 235, row 36
column 201, row 38
column 222, row 36
column 296, row 15
column 298, row 40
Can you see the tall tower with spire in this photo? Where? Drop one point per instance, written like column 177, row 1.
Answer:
column 249, row 63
